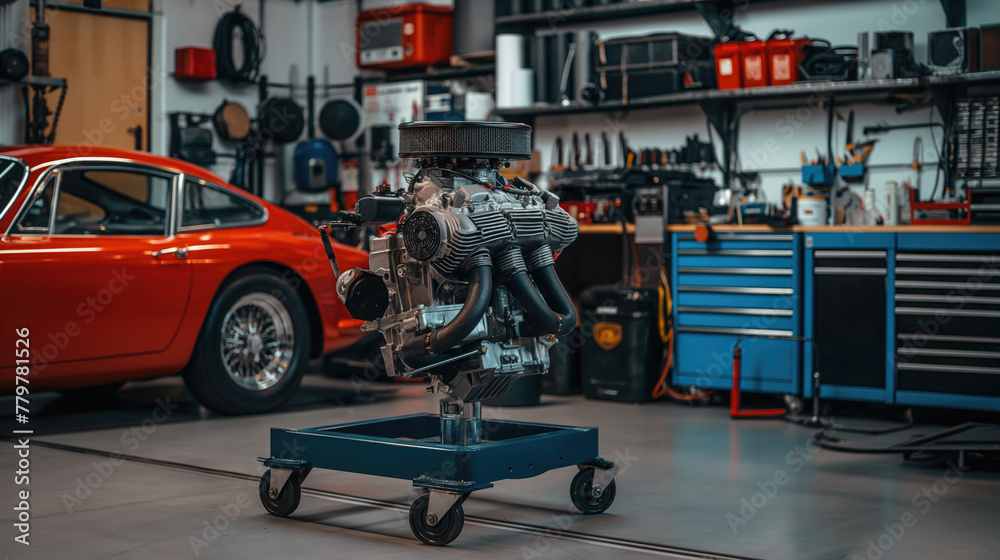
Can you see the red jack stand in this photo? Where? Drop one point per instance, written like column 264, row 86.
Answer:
column 734, row 396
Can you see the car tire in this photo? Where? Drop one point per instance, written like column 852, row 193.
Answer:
column 253, row 347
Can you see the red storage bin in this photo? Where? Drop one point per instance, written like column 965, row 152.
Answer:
column 194, row 63
column 783, row 56
column 404, row 35
column 727, row 65
column 754, row 57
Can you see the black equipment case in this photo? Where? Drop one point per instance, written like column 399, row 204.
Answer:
column 635, row 67
column 622, row 352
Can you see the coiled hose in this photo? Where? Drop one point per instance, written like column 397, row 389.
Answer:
column 253, row 48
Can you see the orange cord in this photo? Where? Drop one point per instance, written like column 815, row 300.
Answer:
column 663, row 388
column 665, row 310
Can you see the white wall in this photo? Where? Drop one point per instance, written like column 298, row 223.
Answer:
column 288, row 26
column 792, row 131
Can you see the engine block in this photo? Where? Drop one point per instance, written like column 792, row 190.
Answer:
column 464, row 290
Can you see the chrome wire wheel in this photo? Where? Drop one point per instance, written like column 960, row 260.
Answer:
column 258, row 341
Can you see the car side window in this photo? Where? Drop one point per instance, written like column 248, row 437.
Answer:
column 206, row 205
column 112, row 202
column 38, row 213
column 100, row 201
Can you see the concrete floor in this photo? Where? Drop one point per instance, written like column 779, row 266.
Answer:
column 691, row 479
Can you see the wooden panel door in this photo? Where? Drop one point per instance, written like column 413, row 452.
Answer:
column 105, row 60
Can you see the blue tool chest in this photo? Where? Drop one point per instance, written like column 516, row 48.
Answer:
column 900, row 318
column 738, row 284
column 947, row 313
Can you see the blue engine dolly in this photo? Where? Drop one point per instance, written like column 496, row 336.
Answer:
column 409, row 447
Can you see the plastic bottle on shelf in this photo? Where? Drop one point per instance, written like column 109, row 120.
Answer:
column 871, row 210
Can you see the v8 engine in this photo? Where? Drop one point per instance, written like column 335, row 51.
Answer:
column 461, row 283
column 464, row 288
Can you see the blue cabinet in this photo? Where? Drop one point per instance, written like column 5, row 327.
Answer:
column 899, row 318
column 739, row 284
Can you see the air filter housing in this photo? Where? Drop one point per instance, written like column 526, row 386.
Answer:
column 508, row 141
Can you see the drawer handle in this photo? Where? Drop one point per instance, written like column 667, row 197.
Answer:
column 939, row 271
column 737, row 311
column 850, row 254
column 735, row 332
column 737, row 252
column 949, row 338
column 946, row 311
column 941, row 285
column 747, row 271
column 931, row 298
column 947, row 368
column 928, row 257
column 737, row 290
column 949, row 353
column 848, row 271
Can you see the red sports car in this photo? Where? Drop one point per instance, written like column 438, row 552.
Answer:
column 119, row 265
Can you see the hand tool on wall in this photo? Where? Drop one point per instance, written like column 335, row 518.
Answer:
column 606, row 146
column 588, row 158
column 557, row 148
column 576, row 150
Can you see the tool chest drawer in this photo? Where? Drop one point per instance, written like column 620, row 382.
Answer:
column 736, row 285
column 947, row 313
column 848, row 311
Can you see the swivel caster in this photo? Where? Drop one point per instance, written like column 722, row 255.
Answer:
column 588, row 497
column 432, row 529
column 283, row 500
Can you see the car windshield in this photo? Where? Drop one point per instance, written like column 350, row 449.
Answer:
column 12, row 174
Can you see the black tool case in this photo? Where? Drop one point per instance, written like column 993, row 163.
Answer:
column 635, row 67
column 622, row 353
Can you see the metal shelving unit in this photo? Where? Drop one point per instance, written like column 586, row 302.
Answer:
column 718, row 13
column 799, row 89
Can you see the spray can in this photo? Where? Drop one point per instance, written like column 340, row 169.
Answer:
column 890, row 202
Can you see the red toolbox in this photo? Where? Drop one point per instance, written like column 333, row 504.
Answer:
column 404, row 35
column 194, row 63
column 727, row 65
column 784, row 55
column 754, row 56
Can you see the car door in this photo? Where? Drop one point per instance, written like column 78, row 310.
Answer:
column 91, row 265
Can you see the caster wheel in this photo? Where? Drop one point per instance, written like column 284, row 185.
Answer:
column 286, row 501
column 793, row 404
column 441, row 534
column 581, row 492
